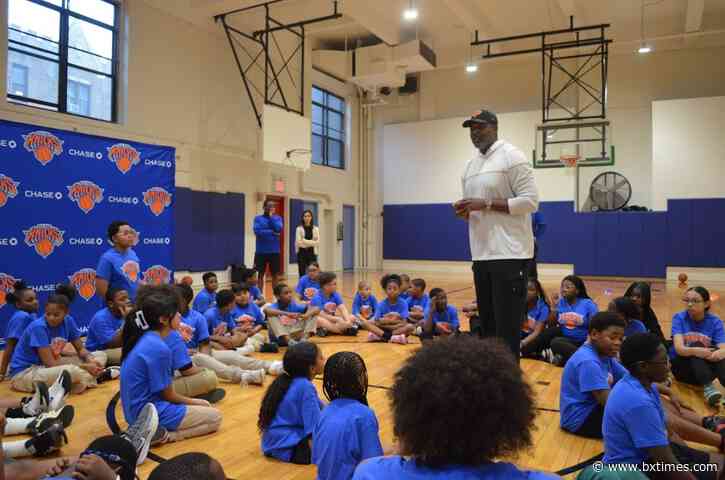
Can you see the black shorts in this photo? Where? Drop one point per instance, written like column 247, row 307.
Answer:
column 690, row 456
column 261, row 260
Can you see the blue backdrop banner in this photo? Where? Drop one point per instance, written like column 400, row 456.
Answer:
column 59, row 191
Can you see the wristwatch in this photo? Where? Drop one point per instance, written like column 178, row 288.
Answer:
column 489, row 204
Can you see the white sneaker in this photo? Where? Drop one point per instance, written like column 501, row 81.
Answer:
column 59, row 391
column 276, row 368
column 253, row 377
column 418, row 331
column 245, row 350
column 141, row 432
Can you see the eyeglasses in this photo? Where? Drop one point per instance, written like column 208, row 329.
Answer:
column 691, row 301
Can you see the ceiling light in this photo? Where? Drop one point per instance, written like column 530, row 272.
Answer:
column 644, row 48
column 471, row 68
column 410, row 14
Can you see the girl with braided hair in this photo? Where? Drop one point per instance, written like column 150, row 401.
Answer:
column 347, row 432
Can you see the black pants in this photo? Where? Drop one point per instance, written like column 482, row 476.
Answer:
column 501, row 297
column 697, row 371
column 565, row 347
column 592, row 426
column 688, row 456
column 305, row 256
column 533, row 270
column 302, row 454
column 541, row 342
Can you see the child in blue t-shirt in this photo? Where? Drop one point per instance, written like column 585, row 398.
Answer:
column 364, row 304
column 538, row 312
column 25, row 301
column 441, row 318
column 37, row 357
column 309, row 285
column 207, row 297
column 291, row 322
column 589, row 376
column 698, row 351
column 418, row 302
column 404, row 287
column 629, row 311
column 119, row 266
column 638, row 396
column 347, row 432
column 291, row 408
column 147, row 370
column 250, row 278
column 334, row 317
column 390, row 323
column 440, row 380
column 220, row 321
column 105, row 329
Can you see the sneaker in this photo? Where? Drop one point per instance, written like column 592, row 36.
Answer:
column 374, row 338
column 276, row 368
column 141, row 432
column 160, row 437
column 712, row 395
column 44, row 421
column 401, row 339
column 110, row 373
column 38, row 403
column 254, row 377
column 547, row 354
column 350, row 332
column 213, row 396
column 47, row 442
column 269, row 347
column 245, row 350
column 59, row 391
column 714, row 423
column 321, row 332
column 418, row 331
column 557, row 360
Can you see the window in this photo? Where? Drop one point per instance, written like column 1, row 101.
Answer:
column 328, row 129
column 18, row 79
column 62, row 55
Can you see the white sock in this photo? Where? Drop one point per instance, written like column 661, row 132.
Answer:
column 16, row 449
column 16, row 426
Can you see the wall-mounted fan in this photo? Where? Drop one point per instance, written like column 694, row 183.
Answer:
column 609, row 191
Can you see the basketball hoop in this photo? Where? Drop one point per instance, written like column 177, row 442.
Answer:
column 569, row 160
column 299, row 158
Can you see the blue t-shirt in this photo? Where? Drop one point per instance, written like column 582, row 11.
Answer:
column 395, row 467
column 255, row 293
column 214, row 317
column 249, row 312
column 296, row 417
column 574, row 319
column 538, row 314
column 405, row 296
column 709, row 331
column 180, row 359
column 384, row 307
column 102, row 328
column 145, row 373
column 450, row 315
column 345, row 435
column 625, row 440
column 634, row 326
column 307, row 288
column 364, row 307
column 39, row 334
column 197, row 324
column 120, row 270
column 292, row 307
column 421, row 304
column 204, row 300
column 18, row 323
column 327, row 304
column 267, row 230
column 585, row 372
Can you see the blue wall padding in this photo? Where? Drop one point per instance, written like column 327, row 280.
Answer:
column 209, row 230
column 626, row 244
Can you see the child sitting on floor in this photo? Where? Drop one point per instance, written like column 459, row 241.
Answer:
column 364, row 304
column 334, row 316
column 441, row 318
column 309, row 284
column 628, row 310
column 290, row 322
column 404, row 287
column 418, row 302
column 291, row 408
column 25, row 301
column 538, row 312
column 207, row 297
column 106, row 327
column 390, row 323
column 250, row 278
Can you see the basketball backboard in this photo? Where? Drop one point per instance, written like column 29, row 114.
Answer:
column 286, row 138
column 591, row 141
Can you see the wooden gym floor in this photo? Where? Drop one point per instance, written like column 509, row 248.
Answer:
column 236, row 445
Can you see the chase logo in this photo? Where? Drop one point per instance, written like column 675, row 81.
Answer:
column 157, row 241
column 44, row 237
column 74, row 152
column 157, row 163
column 125, row 200
column 124, row 156
column 7, row 282
column 85, row 241
column 36, row 194
column 8, row 242
column 85, row 194
column 43, row 145
column 8, row 189
column 5, row 143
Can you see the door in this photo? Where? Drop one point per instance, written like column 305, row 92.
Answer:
column 348, row 240
column 279, row 203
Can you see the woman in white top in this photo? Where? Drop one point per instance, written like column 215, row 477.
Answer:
column 307, row 239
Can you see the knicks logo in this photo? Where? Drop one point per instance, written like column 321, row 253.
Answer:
column 85, row 282
column 44, row 237
column 85, row 194
column 157, row 275
column 130, row 269
column 43, row 145
column 8, row 189
column 7, row 283
column 157, row 199
column 124, row 156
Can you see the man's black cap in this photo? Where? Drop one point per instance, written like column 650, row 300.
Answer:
column 481, row 117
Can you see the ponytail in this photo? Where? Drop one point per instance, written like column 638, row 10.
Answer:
column 298, row 359
column 155, row 302
column 67, row 290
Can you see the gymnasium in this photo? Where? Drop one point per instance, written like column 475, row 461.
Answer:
column 207, row 131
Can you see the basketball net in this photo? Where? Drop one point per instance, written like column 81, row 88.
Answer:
column 569, row 160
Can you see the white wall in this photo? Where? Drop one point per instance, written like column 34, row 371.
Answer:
column 181, row 88
column 688, row 154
